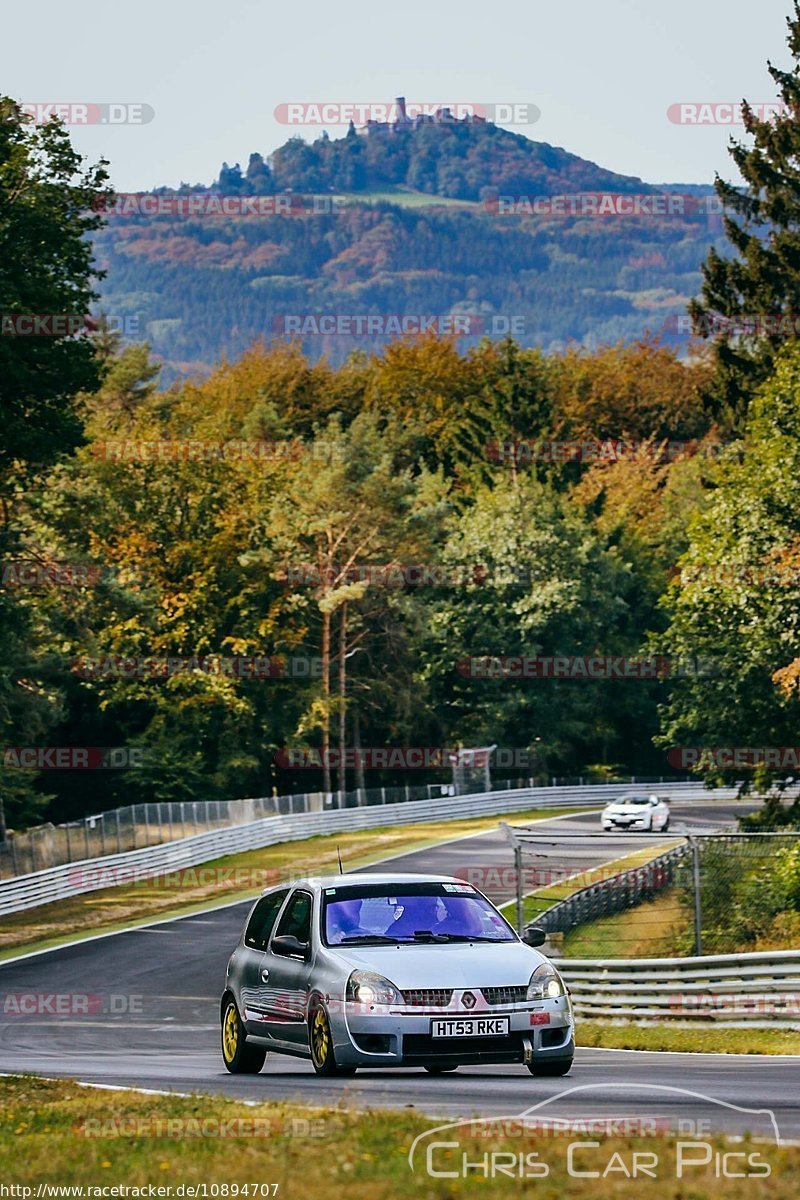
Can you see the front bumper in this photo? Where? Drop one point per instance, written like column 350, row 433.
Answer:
column 624, row 824
column 538, row 1031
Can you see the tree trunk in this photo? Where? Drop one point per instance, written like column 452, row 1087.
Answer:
column 357, row 750
column 342, row 701
column 326, row 696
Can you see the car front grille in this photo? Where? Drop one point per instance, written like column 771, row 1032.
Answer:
column 419, row 1047
column 505, row 995
column 428, row 997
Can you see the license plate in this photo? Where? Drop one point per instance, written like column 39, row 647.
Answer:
column 447, row 1027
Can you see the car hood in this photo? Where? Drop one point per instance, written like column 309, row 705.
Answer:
column 629, row 809
column 457, row 965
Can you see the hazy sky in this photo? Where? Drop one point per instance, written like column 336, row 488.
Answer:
column 603, row 75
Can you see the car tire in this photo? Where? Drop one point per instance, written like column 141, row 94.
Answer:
column 439, row 1069
column 320, row 1041
column 240, row 1056
column 550, row 1067
column 665, row 826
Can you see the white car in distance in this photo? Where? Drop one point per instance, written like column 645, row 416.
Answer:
column 637, row 810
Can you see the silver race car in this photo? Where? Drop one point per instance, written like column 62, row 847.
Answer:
column 391, row 970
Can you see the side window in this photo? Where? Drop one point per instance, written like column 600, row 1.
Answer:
column 259, row 927
column 297, row 918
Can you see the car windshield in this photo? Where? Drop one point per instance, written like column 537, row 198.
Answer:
column 428, row 913
column 635, row 800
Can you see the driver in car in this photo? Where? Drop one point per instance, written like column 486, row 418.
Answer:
column 346, row 921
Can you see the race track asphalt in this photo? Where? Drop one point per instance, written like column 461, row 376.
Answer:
column 154, row 1002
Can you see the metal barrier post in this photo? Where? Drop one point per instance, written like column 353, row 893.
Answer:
column 698, row 916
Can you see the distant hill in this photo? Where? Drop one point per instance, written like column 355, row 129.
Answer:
column 448, row 218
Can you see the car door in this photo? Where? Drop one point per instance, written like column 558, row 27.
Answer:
column 253, row 974
column 290, row 973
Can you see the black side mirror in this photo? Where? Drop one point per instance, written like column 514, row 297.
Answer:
column 289, row 946
column 534, row 935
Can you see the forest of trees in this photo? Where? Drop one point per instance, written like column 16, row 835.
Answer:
column 202, row 286
column 620, row 503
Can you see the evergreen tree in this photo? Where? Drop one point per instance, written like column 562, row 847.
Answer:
column 750, row 303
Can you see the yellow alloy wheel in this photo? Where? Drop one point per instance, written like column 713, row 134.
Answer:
column 240, row 1056
column 320, row 1038
column 230, row 1033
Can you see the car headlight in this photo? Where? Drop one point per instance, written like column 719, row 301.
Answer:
column 545, row 984
column 367, row 987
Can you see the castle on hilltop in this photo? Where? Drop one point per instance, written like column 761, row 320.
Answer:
column 440, row 116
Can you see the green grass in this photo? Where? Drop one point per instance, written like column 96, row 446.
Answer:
column 235, row 877
column 333, row 1154
column 406, row 198
column 701, row 1038
column 664, row 927
column 647, row 931
column 538, row 901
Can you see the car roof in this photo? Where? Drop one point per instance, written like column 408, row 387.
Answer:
column 317, row 882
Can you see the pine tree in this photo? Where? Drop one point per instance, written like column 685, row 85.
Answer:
column 751, row 303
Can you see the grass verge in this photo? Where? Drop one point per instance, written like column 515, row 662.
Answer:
column 664, row 927
column 707, row 1039
column 536, row 902
column 58, row 1133
column 223, row 880
column 647, row 931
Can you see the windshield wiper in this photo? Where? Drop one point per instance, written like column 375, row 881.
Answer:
column 368, row 937
column 469, row 937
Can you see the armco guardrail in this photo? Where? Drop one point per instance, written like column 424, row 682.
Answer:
column 56, row 883
column 728, row 989
column 613, row 895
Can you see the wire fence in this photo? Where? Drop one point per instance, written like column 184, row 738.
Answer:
column 725, row 893
column 140, row 825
